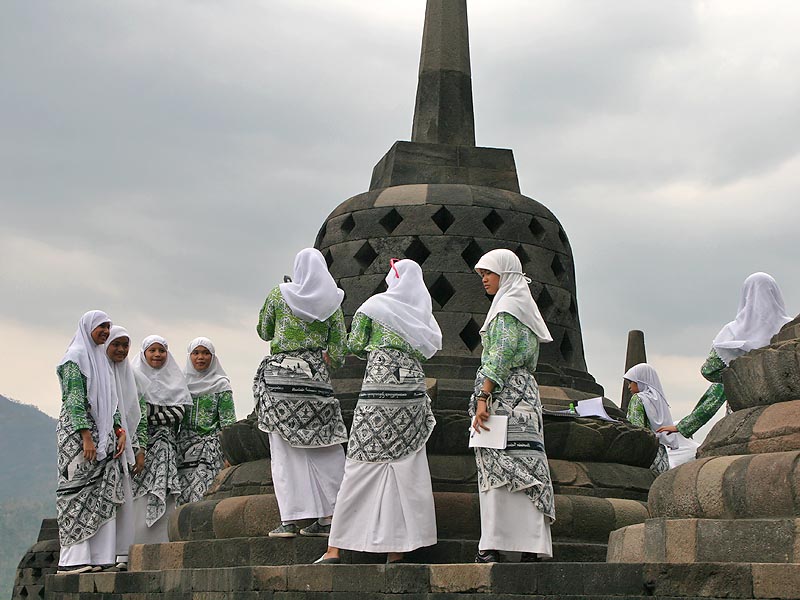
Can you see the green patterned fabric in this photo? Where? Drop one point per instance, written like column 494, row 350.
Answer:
column 367, row 335
column 141, row 439
column 75, row 397
column 277, row 324
column 711, row 401
column 507, row 344
column 209, row 413
column 636, row 413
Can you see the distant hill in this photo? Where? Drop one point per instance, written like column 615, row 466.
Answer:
column 27, row 482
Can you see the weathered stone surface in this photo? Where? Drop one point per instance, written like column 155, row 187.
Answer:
column 40, row 560
column 244, row 441
column 756, row 430
column 789, row 332
column 723, row 487
column 764, row 376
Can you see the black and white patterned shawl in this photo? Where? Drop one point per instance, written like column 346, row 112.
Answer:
column 159, row 480
column 522, row 466
column 88, row 493
column 200, row 460
column 295, row 400
column 393, row 417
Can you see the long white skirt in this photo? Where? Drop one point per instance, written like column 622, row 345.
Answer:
column 306, row 480
column 510, row 522
column 385, row 507
column 125, row 521
column 159, row 532
column 100, row 549
column 685, row 451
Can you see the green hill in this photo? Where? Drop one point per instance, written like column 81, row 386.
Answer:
column 27, row 482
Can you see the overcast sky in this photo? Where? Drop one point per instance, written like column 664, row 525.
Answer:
column 164, row 161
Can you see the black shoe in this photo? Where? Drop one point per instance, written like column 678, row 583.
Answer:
column 529, row 557
column 489, row 556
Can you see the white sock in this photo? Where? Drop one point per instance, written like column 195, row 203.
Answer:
column 325, row 520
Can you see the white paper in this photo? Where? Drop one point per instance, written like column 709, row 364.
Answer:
column 593, row 407
column 496, row 437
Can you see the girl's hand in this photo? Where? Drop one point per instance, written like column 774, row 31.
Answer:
column 667, row 429
column 481, row 414
column 138, row 467
column 121, row 443
column 89, row 449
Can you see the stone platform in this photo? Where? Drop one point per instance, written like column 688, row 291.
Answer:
column 566, row 581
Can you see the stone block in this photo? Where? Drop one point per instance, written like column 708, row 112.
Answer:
column 457, row 515
column 516, row 578
column 559, row 579
column 710, row 482
column 170, row 556
column 627, row 545
column 776, row 581
column 699, row 580
column 745, row 540
column 270, row 578
column 681, row 540
column 407, row 579
column 460, row 578
column 359, row 578
column 764, row 376
column 104, row 583
column 310, row 578
column 655, row 541
column 769, row 485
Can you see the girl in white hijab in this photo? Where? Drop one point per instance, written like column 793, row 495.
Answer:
column 761, row 315
column 304, row 324
column 212, row 409
column 90, row 440
column 386, row 500
column 160, row 381
column 516, row 494
column 648, row 408
column 124, row 390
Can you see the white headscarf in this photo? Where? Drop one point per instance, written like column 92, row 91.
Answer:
column 312, row 294
column 124, row 389
column 406, row 308
column 514, row 295
column 92, row 362
column 162, row 387
column 655, row 402
column 761, row 315
column 213, row 379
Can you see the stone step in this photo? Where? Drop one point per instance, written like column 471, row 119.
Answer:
column 438, row 582
column 259, row 551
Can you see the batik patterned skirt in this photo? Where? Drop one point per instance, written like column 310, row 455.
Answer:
column 159, row 480
column 89, row 492
column 200, row 460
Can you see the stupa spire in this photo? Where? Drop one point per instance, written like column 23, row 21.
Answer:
column 443, row 113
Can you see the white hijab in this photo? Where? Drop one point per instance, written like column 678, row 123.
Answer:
column 655, row 402
column 124, row 389
column 514, row 295
column 406, row 308
column 92, row 362
column 761, row 315
column 312, row 294
column 211, row 381
column 162, row 387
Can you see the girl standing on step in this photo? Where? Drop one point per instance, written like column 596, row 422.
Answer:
column 127, row 399
column 386, row 500
column 648, row 408
column 90, row 440
column 304, row 324
column 516, row 494
column 761, row 315
column 212, row 409
column 160, row 381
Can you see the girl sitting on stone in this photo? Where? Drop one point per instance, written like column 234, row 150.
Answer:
column 648, row 408
column 761, row 315
column 160, row 381
column 212, row 409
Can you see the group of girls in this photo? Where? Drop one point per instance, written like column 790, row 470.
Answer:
column 134, row 439
column 761, row 314
column 377, row 497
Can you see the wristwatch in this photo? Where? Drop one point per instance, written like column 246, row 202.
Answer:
column 485, row 395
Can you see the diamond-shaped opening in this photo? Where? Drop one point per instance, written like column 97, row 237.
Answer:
column 558, row 268
column 536, row 228
column 441, row 290
column 328, row 255
column 566, row 347
column 472, row 254
column 544, row 301
column 23, row 593
column 471, row 335
column 417, row 251
column 573, row 307
column 493, row 221
column 522, row 255
column 348, row 224
column 365, row 256
column 391, row 220
column 321, row 235
column 443, row 218
column 381, row 287
column 562, row 235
